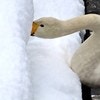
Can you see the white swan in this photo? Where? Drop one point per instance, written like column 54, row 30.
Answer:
column 85, row 61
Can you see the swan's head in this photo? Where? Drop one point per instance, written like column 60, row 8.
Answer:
column 47, row 27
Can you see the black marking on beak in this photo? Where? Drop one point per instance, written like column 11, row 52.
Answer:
column 32, row 34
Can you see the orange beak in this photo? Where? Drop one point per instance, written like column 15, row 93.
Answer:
column 34, row 28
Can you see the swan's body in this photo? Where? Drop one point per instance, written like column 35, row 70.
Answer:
column 85, row 61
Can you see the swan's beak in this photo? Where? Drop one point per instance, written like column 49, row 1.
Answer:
column 34, row 28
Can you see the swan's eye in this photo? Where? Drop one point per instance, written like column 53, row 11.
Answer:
column 42, row 25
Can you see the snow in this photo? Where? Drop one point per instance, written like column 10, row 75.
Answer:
column 61, row 9
column 52, row 79
column 15, row 25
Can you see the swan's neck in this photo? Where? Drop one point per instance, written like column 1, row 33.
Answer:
column 91, row 21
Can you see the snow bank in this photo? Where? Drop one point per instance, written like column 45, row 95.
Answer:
column 15, row 25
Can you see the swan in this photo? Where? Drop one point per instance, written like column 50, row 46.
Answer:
column 85, row 61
